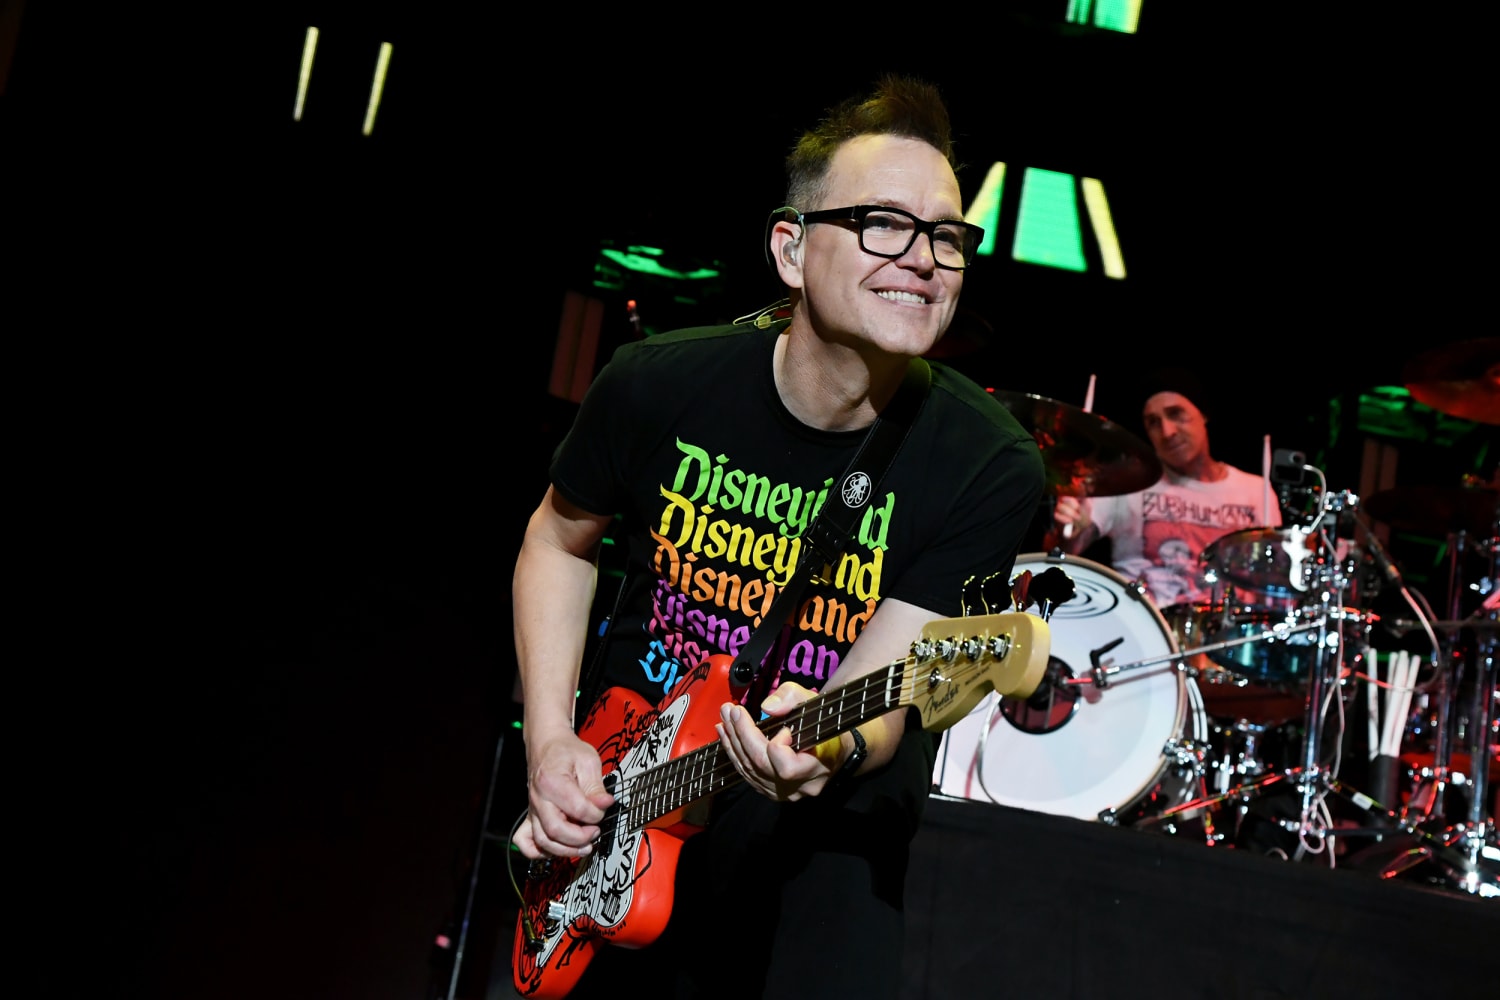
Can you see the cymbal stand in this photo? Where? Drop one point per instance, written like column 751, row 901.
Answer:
column 1477, row 868
column 1475, row 837
column 1427, row 799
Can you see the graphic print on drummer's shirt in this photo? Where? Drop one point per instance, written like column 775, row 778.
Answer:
column 1176, row 527
column 727, row 540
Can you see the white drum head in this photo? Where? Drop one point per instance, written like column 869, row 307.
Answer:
column 1107, row 750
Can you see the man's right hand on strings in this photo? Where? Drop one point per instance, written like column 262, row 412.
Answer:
column 567, row 800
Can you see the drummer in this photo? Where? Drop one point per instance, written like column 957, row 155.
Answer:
column 1156, row 534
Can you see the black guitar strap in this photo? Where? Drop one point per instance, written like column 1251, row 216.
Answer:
column 832, row 529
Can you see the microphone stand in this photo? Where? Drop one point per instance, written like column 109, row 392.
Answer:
column 1325, row 577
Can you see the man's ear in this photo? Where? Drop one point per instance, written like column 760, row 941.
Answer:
column 786, row 245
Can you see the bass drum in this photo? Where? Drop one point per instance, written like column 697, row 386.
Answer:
column 1078, row 750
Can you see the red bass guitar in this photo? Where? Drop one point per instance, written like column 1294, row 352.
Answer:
column 661, row 762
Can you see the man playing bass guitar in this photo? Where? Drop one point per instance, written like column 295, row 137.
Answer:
column 716, row 447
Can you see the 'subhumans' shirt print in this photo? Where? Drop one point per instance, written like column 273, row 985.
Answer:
column 1159, row 534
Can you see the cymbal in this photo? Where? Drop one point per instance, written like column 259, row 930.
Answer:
column 1085, row 454
column 1436, row 510
column 1460, row 379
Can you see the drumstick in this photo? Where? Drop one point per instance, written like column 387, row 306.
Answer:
column 1398, row 697
column 1397, row 718
column 1088, row 407
column 1265, row 472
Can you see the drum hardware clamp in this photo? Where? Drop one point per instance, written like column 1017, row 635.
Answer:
column 1101, row 673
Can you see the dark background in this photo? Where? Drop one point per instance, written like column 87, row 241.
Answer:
column 288, row 383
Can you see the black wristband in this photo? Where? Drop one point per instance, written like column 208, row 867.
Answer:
column 855, row 759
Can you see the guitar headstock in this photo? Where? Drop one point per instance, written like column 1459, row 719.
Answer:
column 957, row 661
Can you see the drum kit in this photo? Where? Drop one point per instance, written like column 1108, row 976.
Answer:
column 1232, row 719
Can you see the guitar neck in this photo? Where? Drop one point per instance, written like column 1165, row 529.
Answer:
column 955, row 663
column 683, row 780
column 844, row 708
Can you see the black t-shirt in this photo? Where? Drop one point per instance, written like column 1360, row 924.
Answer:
column 685, row 437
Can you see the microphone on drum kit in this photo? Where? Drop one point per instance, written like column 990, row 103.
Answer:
column 1296, row 550
column 1382, row 557
column 1100, row 673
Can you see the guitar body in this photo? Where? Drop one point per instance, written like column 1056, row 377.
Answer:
column 662, row 763
column 622, row 894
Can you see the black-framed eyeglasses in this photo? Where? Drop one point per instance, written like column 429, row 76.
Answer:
column 890, row 232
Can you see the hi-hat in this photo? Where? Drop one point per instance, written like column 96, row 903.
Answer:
column 1436, row 510
column 1460, row 379
column 1085, row 454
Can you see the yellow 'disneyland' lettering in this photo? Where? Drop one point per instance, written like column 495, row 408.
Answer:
column 860, row 578
column 684, row 525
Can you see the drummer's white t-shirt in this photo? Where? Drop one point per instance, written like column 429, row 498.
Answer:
column 1157, row 534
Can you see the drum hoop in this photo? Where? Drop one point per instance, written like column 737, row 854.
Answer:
column 1189, row 699
column 1127, row 585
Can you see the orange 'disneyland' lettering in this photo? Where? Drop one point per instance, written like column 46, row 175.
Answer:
column 833, row 618
column 751, row 597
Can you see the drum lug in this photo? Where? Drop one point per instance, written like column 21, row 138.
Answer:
column 1186, row 753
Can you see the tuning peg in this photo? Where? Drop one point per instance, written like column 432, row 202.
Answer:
column 1051, row 588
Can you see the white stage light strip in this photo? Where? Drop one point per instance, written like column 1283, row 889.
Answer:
column 1104, row 227
column 984, row 210
column 377, row 86
column 309, row 47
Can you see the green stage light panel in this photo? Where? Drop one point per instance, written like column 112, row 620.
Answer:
column 646, row 260
column 1114, row 15
column 1047, row 225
